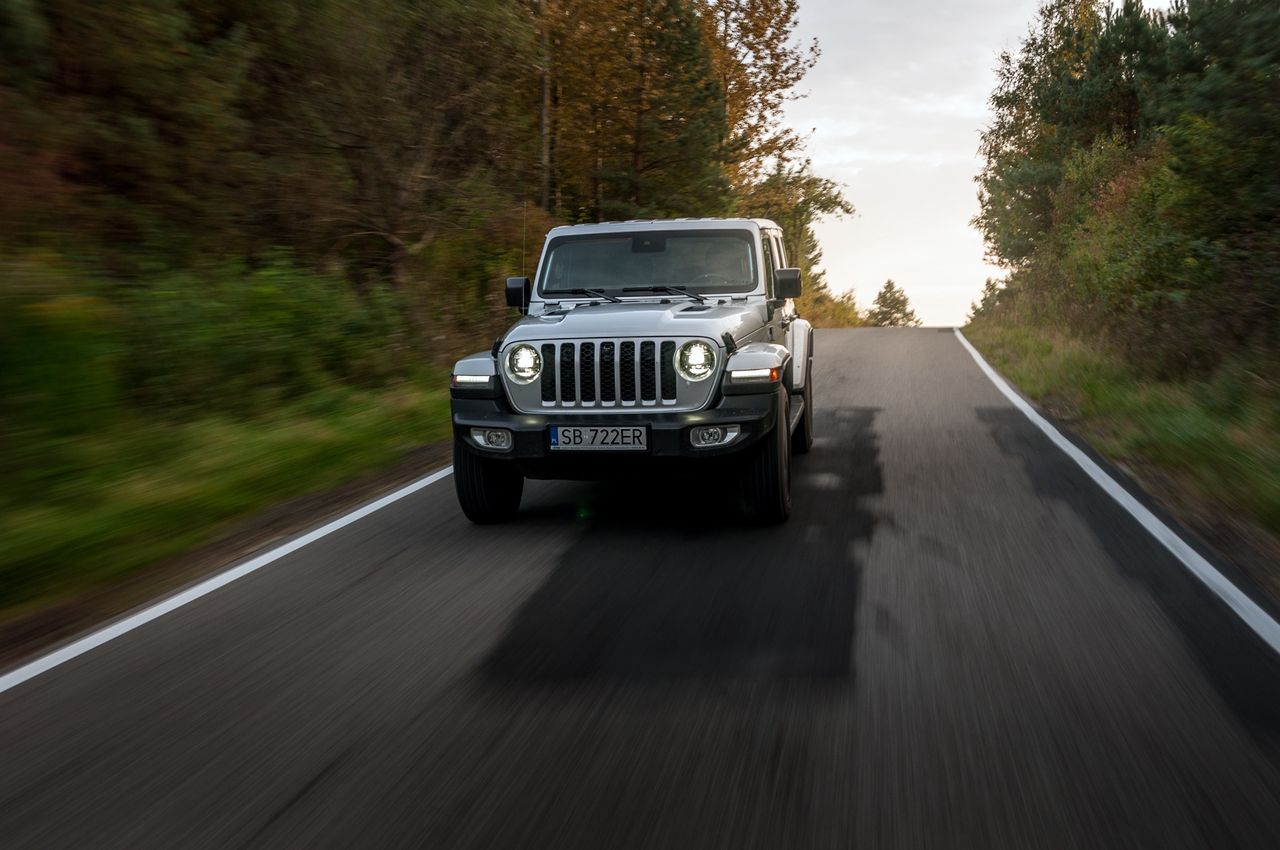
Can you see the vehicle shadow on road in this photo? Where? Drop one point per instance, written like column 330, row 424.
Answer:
column 660, row 585
column 1242, row 670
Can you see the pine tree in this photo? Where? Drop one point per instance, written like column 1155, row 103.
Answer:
column 638, row 119
column 1036, row 100
column 987, row 304
column 892, row 308
column 794, row 197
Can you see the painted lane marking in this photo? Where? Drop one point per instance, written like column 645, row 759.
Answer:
column 1238, row 601
column 108, row 633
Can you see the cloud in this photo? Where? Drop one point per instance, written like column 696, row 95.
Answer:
column 895, row 106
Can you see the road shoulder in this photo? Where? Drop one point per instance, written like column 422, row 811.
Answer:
column 1245, row 553
column 24, row 636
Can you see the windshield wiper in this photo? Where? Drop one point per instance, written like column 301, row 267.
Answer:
column 594, row 293
column 677, row 290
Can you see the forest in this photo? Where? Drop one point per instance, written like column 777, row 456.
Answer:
column 387, row 162
column 1131, row 189
column 240, row 240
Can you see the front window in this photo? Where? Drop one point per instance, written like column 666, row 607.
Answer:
column 703, row 261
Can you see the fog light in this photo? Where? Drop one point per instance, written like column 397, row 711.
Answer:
column 498, row 439
column 707, row 436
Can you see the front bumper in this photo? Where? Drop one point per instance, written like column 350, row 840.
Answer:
column 755, row 414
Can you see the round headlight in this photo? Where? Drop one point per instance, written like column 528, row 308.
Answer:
column 695, row 361
column 523, row 364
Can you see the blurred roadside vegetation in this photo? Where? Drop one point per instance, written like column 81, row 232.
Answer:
column 137, row 421
column 240, row 242
column 1132, row 190
column 1208, row 444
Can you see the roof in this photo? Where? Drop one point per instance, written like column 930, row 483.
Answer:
column 665, row 224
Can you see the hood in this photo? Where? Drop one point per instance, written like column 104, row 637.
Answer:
column 642, row 319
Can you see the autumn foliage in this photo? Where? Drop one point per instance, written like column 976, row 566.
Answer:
column 378, row 167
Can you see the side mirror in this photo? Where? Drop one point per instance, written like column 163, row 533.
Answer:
column 786, row 283
column 518, row 292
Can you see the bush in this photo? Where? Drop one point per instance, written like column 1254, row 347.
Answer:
column 60, row 345
column 77, row 353
column 239, row 340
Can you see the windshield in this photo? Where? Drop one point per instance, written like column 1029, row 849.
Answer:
column 702, row 261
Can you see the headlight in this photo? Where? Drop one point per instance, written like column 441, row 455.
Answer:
column 523, row 364
column 696, row 361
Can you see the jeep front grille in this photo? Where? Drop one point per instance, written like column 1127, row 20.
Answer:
column 610, row 375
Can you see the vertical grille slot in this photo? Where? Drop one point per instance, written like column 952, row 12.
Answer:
column 548, row 374
column 587, row 371
column 568, row 382
column 668, row 364
column 608, row 366
column 627, row 371
column 648, row 373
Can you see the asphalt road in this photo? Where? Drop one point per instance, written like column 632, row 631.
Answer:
column 957, row 641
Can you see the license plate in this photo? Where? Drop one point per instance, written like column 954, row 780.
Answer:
column 591, row 438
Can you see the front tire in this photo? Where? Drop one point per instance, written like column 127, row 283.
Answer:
column 489, row 490
column 767, row 476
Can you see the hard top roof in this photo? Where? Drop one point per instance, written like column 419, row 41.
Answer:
column 664, row 224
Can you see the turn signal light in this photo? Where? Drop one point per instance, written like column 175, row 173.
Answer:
column 745, row 376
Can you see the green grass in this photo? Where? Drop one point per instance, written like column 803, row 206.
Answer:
column 79, row 512
column 1218, row 439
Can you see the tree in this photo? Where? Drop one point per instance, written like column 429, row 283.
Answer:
column 1129, row 180
column 759, row 66
column 127, row 112
column 892, row 308
column 638, row 117
column 1032, row 130
column 399, row 144
column 987, row 304
column 412, row 97
column 794, row 197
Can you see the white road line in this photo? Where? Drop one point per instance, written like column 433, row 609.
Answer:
column 1249, row 611
column 108, row 633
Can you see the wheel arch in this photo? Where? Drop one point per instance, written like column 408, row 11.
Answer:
column 801, row 354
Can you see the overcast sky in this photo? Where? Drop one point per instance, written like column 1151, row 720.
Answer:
column 894, row 109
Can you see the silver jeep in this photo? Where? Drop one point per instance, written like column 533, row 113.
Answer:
column 643, row 344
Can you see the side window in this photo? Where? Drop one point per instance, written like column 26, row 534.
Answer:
column 769, row 265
